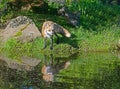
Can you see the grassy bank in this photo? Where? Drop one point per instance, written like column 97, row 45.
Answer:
column 81, row 40
column 99, row 30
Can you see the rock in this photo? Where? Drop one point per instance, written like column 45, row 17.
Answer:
column 60, row 2
column 22, row 28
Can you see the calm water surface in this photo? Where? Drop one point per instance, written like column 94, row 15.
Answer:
column 80, row 71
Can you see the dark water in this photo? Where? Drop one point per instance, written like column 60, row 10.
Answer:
column 80, row 71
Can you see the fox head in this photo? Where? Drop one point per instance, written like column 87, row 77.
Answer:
column 49, row 31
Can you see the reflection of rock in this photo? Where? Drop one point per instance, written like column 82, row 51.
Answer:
column 25, row 63
column 21, row 28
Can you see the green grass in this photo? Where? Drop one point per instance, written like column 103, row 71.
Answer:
column 99, row 30
column 101, row 41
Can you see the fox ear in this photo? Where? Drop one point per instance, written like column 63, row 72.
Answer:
column 52, row 27
column 47, row 25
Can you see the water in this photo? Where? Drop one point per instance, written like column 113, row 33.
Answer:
column 79, row 71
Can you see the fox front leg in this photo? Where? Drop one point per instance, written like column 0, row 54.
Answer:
column 51, row 42
column 44, row 43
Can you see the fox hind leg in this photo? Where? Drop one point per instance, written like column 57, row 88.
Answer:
column 57, row 42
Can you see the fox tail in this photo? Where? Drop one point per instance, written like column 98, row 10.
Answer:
column 62, row 30
column 66, row 33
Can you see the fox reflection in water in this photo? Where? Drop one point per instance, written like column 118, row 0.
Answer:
column 50, row 68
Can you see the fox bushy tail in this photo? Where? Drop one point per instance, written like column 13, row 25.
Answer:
column 62, row 30
column 66, row 33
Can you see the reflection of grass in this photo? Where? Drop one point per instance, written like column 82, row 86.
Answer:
column 91, row 69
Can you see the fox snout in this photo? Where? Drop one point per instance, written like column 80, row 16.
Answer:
column 49, row 33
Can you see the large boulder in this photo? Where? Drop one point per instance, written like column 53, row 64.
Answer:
column 22, row 28
column 24, row 63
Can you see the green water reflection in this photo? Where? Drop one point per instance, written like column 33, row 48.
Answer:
column 79, row 71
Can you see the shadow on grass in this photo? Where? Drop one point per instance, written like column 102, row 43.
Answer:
column 71, row 41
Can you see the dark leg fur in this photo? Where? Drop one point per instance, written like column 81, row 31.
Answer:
column 57, row 42
column 44, row 43
column 51, row 42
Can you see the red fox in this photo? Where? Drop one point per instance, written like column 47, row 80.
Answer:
column 49, row 29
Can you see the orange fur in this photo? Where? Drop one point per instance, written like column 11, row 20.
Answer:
column 49, row 25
